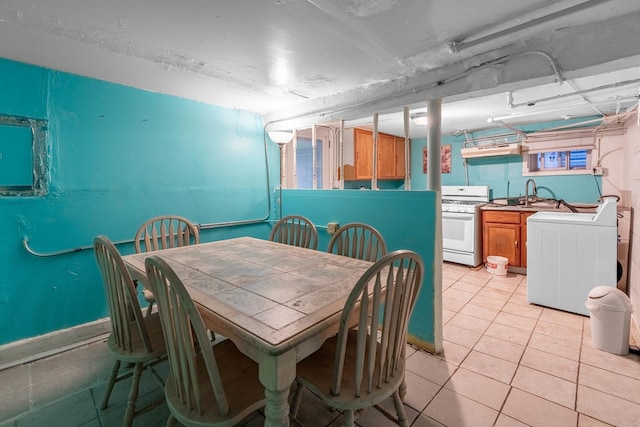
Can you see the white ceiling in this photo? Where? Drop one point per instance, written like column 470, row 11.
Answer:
column 311, row 61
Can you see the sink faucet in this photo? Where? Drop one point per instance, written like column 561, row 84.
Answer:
column 526, row 191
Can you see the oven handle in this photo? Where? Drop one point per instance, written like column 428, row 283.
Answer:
column 457, row 215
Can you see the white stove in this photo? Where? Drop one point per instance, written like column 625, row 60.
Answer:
column 461, row 223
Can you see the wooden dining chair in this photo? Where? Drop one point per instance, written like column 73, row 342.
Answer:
column 358, row 240
column 207, row 385
column 295, row 230
column 362, row 366
column 135, row 339
column 164, row 232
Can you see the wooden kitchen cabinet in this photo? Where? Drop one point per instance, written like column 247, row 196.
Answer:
column 504, row 233
column 386, row 156
column 390, row 160
column 363, row 154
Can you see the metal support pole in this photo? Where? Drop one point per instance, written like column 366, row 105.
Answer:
column 374, row 160
column 434, row 139
column 434, row 183
column 281, row 145
column 341, row 154
column 407, row 151
column 314, row 159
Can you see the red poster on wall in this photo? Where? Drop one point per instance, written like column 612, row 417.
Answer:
column 445, row 159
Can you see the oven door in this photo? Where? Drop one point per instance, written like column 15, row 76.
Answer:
column 458, row 231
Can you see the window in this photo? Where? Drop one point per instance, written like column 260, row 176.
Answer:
column 299, row 157
column 560, row 160
column 560, row 152
column 304, row 163
column 24, row 160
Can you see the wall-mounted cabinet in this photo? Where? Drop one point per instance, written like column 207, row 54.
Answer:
column 358, row 155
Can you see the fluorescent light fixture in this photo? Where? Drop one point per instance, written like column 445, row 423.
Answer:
column 419, row 118
column 280, row 136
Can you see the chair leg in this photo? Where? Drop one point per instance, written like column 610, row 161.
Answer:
column 348, row 418
column 403, row 389
column 297, row 398
column 171, row 422
column 112, row 381
column 133, row 395
column 402, row 416
column 149, row 308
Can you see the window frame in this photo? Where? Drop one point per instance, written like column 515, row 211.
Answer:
column 530, row 161
column 39, row 158
column 561, row 141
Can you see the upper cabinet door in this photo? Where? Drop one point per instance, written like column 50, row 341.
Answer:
column 363, row 146
column 390, row 156
column 386, row 156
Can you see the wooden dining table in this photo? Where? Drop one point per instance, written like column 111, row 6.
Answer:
column 277, row 303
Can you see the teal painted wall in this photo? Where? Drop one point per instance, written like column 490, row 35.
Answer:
column 503, row 174
column 406, row 220
column 118, row 156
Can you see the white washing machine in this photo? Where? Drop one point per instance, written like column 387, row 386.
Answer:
column 568, row 254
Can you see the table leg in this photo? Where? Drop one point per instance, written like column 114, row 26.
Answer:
column 277, row 374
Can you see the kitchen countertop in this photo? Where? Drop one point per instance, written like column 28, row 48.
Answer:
column 538, row 205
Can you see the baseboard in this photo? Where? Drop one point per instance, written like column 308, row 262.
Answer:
column 31, row 349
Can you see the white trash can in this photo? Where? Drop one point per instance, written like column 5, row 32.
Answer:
column 610, row 311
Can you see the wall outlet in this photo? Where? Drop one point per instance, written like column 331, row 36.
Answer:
column 332, row 227
column 599, row 171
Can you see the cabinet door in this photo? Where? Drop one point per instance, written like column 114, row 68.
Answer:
column 502, row 240
column 400, row 159
column 363, row 146
column 386, row 156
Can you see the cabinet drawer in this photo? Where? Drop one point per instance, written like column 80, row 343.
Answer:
column 501, row 216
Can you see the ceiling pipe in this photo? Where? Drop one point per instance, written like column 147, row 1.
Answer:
column 473, row 140
column 564, row 95
column 457, row 45
column 556, row 68
column 515, row 130
column 556, row 110
column 585, row 99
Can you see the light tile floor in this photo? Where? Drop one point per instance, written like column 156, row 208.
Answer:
column 505, row 363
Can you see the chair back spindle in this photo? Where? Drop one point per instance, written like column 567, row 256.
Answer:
column 358, row 240
column 295, row 230
column 165, row 232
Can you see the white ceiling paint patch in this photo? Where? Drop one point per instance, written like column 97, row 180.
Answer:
column 367, row 8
